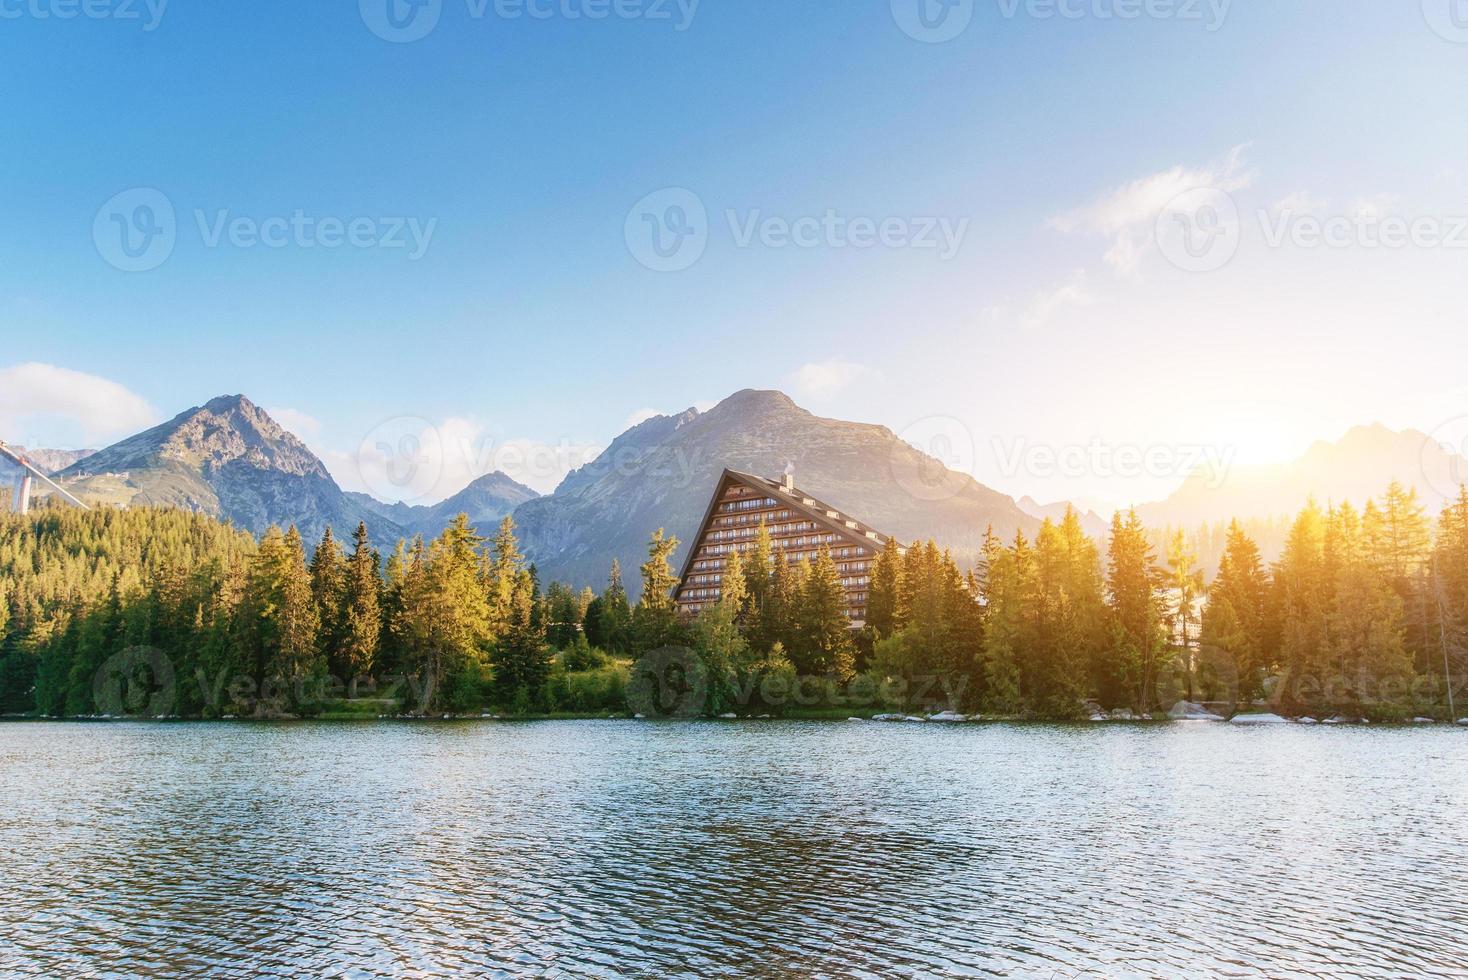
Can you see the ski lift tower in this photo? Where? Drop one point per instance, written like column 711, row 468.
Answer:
column 26, row 474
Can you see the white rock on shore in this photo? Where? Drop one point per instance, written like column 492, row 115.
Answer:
column 948, row 716
column 1188, row 711
column 1260, row 719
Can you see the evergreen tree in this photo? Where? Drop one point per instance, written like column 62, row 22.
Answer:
column 655, row 620
column 733, row 588
column 616, row 613
column 1009, row 586
column 1137, row 610
column 1185, row 587
column 1233, row 622
column 329, row 588
column 883, row 595
column 824, row 627
column 362, row 610
column 445, row 620
column 1303, row 606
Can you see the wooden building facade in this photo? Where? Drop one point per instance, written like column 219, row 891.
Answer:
column 799, row 525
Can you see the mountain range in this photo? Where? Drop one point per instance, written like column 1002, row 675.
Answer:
column 53, row 460
column 661, row 472
column 230, row 459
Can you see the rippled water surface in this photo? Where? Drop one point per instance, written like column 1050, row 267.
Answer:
column 760, row 848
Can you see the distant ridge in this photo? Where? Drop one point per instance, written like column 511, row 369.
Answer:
column 1354, row 468
column 54, row 460
column 487, row 501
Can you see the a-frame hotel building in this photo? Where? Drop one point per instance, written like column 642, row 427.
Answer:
column 798, row 524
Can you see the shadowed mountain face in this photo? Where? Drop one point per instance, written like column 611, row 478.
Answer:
column 487, row 501
column 661, row 473
column 1356, row 468
column 228, row 459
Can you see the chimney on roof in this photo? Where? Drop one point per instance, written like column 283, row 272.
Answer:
column 789, row 481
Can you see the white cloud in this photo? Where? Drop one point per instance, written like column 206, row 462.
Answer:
column 640, row 416
column 42, row 403
column 1375, row 208
column 826, row 379
column 299, row 424
column 704, row 405
column 1128, row 214
column 422, row 462
column 1048, row 304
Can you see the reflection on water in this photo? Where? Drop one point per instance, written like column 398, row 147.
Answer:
column 746, row 848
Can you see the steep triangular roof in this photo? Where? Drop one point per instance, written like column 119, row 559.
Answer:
column 812, row 508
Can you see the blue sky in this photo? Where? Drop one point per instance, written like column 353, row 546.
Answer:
column 524, row 143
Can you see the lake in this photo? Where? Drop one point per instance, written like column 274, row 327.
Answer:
column 742, row 848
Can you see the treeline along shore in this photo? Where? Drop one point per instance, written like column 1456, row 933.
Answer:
column 167, row 613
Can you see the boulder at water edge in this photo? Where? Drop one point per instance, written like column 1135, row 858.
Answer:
column 1188, row 711
column 1259, row 719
